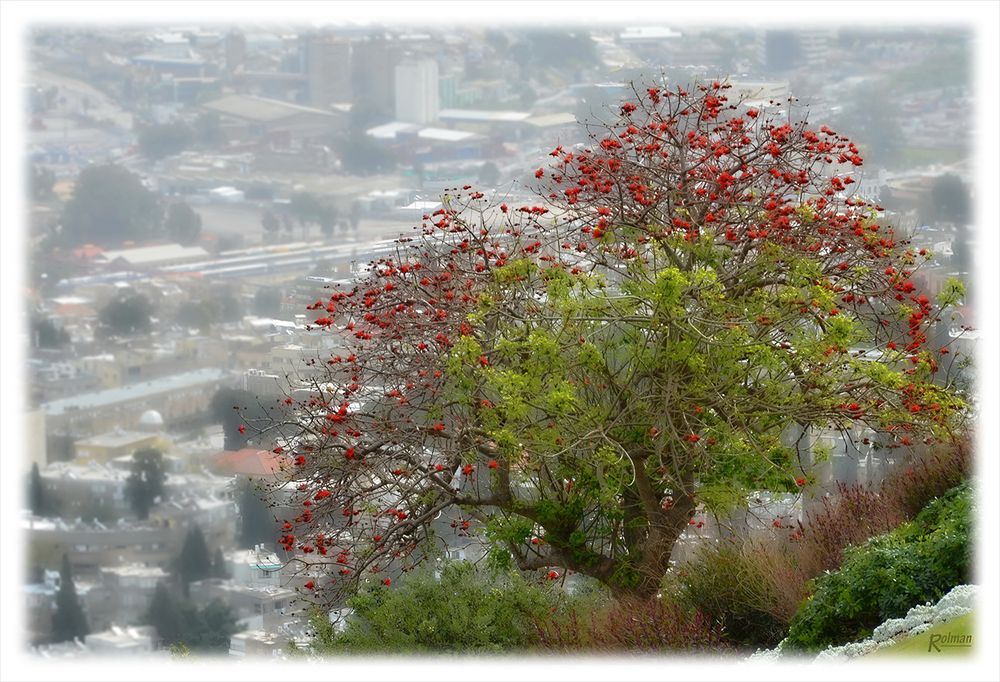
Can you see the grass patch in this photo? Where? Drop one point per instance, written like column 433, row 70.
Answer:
column 921, row 646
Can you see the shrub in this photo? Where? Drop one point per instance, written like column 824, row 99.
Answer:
column 728, row 583
column 658, row 624
column 916, row 563
column 463, row 611
column 752, row 588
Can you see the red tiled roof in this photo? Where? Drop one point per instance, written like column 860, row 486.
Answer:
column 248, row 461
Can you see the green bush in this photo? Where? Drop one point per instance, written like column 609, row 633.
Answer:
column 725, row 583
column 465, row 611
column 918, row 562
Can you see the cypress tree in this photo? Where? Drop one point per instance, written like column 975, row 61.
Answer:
column 69, row 620
column 194, row 562
column 164, row 615
column 257, row 524
column 36, row 493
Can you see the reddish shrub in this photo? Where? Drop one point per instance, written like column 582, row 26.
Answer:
column 632, row 626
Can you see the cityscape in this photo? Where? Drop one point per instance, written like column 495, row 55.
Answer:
column 216, row 214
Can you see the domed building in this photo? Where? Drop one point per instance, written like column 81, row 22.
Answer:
column 151, row 421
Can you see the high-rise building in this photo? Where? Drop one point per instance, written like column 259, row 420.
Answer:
column 236, row 51
column 417, row 97
column 373, row 72
column 328, row 70
column 785, row 49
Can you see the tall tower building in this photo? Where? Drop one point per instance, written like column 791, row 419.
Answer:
column 236, row 51
column 373, row 71
column 328, row 70
column 417, row 91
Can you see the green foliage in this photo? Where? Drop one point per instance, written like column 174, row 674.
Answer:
column 125, row 316
column 164, row 615
column 144, row 486
column 159, row 141
column 725, row 585
column 362, row 155
column 37, row 498
column 46, row 334
column 270, row 222
column 257, row 523
column 310, row 209
column 948, row 201
column 194, row 561
column 918, row 562
column 267, row 302
column 68, row 620
column 110, row 205
column 184, row 628
column 489, row 174
column 183, row 224
column 465, row 611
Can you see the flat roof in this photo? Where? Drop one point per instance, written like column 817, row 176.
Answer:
column 547, row 120
column 260, row 109
column 138, row 391
column 148, row 255
column 445, row 135
column 388, row 131
column 482, row 115
column 114, row 439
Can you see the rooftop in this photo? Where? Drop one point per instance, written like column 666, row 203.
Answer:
column 389, row 131
column 115, row 439
column 249, row 461
column 260, row 109
column 482, row 115
column 445, row 135
column 146, row 389
column 151, row 255
column 135, row 571
column 547, row 120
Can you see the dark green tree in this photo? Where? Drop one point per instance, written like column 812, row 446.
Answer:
column 269, row 221
column 37, row 497
column 257, row 523
column 489, row 174
column 125, row 316
column 218, row 625
column 362, row 155
column 267, row 302
column 69, row 620
column 949, row 201
column 194, row 562
column 110, row 205
column 195, row 315
column 46, row 334
column 159, row 141
column 145, row 482
column 225, row 306
column 164, row 615
column 183, row 224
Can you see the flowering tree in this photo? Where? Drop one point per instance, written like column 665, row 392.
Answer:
column 581, row 376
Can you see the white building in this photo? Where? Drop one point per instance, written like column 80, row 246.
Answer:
column 417, row 95
column 123, row 641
